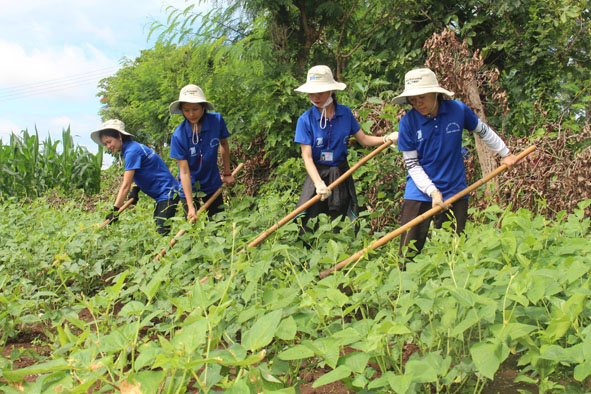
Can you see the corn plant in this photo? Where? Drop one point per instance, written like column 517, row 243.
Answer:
column 29, row 167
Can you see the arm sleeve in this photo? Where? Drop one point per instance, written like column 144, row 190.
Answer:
column 177, row 150
column 224, row 133
column 417, row 173
column 491, row 139
column 303, row 135
column 354, row 124
column 133, row 160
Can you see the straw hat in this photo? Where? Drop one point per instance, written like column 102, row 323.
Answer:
column 111, row 124
column 189, row 94
column 420, row 81
column 320, row 80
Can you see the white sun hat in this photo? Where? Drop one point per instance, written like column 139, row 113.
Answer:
column 111, row 124
column 320, row 80
column 189, row 94
column 420, row 81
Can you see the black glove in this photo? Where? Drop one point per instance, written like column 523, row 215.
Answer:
column 134, row 193
column 113, row 216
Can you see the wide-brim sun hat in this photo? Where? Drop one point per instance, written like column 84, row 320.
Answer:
column 320, row 79
column 189, row 94
column 111, row 124
column 420, row 81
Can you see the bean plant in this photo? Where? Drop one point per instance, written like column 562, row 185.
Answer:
column 214, row 315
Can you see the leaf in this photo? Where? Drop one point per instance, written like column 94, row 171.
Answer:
column 399, row 383
column 262, row 331
column 148, row 381
column 340, row 373
column 555, row 353
column 132, row 308
column 463, row 296
column 239, row 387
column 425, row 369
column 128, row 388
column 296, row 353
column 582, row 371
column 37, row 369
column 287, row 329
column 190, row 337
column 485, row 358
column 356, row 361
column 148, row 353
column 153, row 285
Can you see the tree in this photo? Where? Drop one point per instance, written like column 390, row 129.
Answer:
column 140, row 92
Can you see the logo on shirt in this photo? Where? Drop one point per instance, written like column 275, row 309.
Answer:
column 452, row 127
column 319, row 141
column 214, row 142
column 419, row 134
column 193, row 151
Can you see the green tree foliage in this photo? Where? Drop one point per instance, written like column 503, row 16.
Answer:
column 248, row 56
column 140, row 92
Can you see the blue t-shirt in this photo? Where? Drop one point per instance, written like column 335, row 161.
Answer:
column 202, row 156
column 438, row 142
column 330, row 141
column 151, row 174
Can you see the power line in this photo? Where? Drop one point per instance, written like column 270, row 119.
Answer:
column 53, row 85
column 60, row 79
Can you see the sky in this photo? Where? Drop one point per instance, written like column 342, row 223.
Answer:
column 53, row 54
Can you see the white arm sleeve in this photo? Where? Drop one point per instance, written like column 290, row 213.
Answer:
column 417, row 173
column 491, row 139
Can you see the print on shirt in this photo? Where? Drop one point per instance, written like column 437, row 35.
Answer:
column 319, row 141
column 193, row 151
column 214, row 142
column 452, row 127
column 419, row 135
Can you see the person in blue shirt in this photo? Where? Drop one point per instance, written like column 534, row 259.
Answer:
column 195, row 144
column 323, row 132
column 430, row 139
column 144, row 167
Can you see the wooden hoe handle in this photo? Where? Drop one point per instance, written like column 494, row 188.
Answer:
column 422, row 217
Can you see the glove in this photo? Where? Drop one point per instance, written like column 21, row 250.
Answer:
column 437, row 199
column 113, row 216
column 322, row 190
column 134, row 193
column 391, row 137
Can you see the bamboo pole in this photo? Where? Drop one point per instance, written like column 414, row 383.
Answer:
column 207, row 204
column 316, row 198
column 419, row 219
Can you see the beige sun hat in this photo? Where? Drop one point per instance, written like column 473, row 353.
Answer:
column 320, row 80
column 189, row 94
column 420, row 81
column 111, row 124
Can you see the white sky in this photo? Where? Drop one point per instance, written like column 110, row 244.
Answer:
column 54, row 52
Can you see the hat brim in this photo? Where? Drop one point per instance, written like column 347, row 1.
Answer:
column 401, row 99
column 96, row 135
column 175, row 107
column 316, row 87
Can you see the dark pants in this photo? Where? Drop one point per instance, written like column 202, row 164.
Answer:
column 342, row 202
column 412, row 209
column 163, row 211
column 214, row 208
